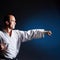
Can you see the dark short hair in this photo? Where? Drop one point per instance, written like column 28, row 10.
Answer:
column 5, row 18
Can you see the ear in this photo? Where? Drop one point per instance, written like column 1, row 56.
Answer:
column 7, row 22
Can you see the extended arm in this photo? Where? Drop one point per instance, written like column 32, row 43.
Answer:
column 33, row 34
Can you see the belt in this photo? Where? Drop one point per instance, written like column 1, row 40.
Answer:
column 8, row 59
column 4, row 58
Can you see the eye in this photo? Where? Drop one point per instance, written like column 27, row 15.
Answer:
column 13, row 20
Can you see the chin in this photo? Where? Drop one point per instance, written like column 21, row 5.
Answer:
column 12, row 28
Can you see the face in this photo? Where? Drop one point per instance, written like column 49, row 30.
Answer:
column 12, row 22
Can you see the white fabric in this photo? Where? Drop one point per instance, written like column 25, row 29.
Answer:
column 13, row 42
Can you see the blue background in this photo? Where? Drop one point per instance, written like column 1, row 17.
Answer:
column 36, row 15
column 47, row 48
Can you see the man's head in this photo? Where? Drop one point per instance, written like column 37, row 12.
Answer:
column 9, row 21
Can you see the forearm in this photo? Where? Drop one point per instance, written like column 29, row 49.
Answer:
column 48, row 32
column 45, row 32
column 39, row 33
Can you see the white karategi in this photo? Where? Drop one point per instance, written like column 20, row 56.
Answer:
column 13, row 42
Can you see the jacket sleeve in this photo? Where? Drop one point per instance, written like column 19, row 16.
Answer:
column 31, row 34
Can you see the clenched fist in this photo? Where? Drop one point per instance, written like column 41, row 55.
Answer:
column 49, row 33
column 3, row 46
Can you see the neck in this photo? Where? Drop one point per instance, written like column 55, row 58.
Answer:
column 8, row 31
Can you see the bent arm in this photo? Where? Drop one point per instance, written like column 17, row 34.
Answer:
column 3, row 46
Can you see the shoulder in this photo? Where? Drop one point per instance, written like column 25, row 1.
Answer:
column 18, row 31
column 1, row 32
